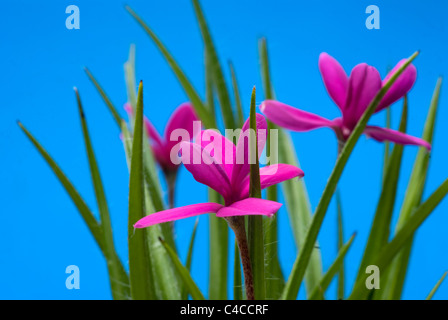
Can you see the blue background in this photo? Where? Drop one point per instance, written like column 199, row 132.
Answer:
column 41, row 233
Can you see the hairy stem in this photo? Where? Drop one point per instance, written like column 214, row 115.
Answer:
column 237, row 225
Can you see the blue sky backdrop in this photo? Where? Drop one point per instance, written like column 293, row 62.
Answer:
column 41, row 233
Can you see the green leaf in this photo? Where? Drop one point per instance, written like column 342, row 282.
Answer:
column 236, row 93
column 190, row 256
column 296, row 197
column 319, row 290
column 402, row 237
column 209, row 92
column 295, row 279
column 299, row 210
column 129, row 73
column 219, row 80
column 151, row 179
column 86, row 214
column 119, row 281
column 265, row 73
column 412, row 199
column 139, row 262
column 191, row 286
column 106, row 99
column 219, row 239
column 255, row 222
column 237, row 283
column 436, row 287
column 164, row 282
column 275, row 280
column 200, row 108
column 380, row 230
column 340, row 241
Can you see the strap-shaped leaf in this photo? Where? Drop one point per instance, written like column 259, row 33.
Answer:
column 151, row 178
column 436, row 287
column 219, row 251
column 237, row 282
column 105, row 98
column 191, row 286
column 164, row 281
column 390, row 250
column 190, row 256
column 414, row 192
column 255, row 223
column 142, row 286
column 296, row 196
column 275, row 281
column 218, row 228
column 340, row 241
column 86, row 214
column 192, row 94
column 300, row 265
column 318, row 292
column 380, row 230
column 236, row 94
column 118, row 277
column 218, row 76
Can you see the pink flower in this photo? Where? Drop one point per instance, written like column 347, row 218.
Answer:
column 352, row 95
column 182, row 118
column 221, row 169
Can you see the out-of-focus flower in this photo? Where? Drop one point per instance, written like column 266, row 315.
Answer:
column 352, row 95
column 182, row 118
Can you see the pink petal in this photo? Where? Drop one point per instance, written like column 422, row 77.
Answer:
column 242, row 164
column 177, row 213
column 291, row 118
column 400, row 87
column 335, row 79
column 382, row 134
column 250, row 206
column 271, row 175
column 152, row 133
column 364, row 84
column 220, row 148
column 182, row 118
column 128, row 108
column 157, row 144
column 205, row 169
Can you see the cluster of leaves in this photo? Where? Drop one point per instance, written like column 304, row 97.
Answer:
column 155, row 270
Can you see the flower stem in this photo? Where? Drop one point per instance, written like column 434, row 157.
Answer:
column 341, row 144
column 237, row 225
column 171, row 182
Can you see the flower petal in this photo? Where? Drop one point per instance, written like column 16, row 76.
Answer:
column 382, row 134
column 250, row 206
column 220, row 148
column 364, row 84
column 157, row 144
column 335, row 79
column 271, row 175
column 291, row 118
column 241, row 167
column 205, row 169
column 400, row 87
column 177, row 213
column 152, row 133
column 182, row 118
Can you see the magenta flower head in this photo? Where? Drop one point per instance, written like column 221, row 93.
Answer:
column 182, row 118
column 352, row 95
column 215, row 161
